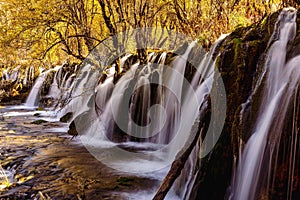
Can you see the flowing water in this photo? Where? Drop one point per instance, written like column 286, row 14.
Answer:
column 34, row 95
column 39, row 161
column 33, row 98
column 281, row 81
column 151, row 124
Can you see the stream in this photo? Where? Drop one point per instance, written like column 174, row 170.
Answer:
column 42, row 162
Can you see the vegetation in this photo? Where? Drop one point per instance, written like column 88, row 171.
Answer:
column 48, row 32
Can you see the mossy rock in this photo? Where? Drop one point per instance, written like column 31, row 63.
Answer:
column 66, row 118
column 72, row 129
column 125, row 181
column 241, row 59
column 39, row 121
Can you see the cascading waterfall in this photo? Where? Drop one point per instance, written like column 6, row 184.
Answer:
column 143, row 100
column 34, row 95
column 281, row 81
column 15, row 74
column 174, row 81
column 5, row 75
column 54, row 88
column 138, row 81
column 201, row 83
column 81, row 91
column 26, row 79
column 11, row 74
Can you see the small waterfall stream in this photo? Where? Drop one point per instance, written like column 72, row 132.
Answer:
column 34, row 95
column 281, row 82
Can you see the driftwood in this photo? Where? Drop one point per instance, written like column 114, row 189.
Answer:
column 179, row 162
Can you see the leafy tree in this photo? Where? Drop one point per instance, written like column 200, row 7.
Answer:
column 49, row 31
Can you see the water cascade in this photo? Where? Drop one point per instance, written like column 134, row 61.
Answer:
column 135, row 87
column 34, row 95
column 280, row 83
column 54, row 88
column 201, row 83
column 11, row 74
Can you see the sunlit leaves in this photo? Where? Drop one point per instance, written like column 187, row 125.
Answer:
column 52, row 30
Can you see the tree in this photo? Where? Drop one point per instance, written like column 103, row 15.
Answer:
column 50, row 31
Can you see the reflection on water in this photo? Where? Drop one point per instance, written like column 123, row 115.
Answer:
column 40, row 161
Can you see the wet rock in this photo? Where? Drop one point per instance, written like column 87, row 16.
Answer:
column 39, row 121
column 72, row 130
column 241, row 58
column 66, row 117
column 47, row 101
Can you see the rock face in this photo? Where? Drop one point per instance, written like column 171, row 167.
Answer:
column 242, row 57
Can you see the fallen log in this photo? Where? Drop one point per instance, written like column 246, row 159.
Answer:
column 179, row 162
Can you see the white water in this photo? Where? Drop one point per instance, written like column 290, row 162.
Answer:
column 97, row 129
column 102, row 94
column 195, row 97
column 82, row 90
column 11, row 74
column 54, row 88
column 156, row 152
column 280, row 78
column 174, row 80
column 34, row 95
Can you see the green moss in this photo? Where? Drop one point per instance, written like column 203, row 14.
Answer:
column 237, row 40
column 40, row 121
column 125, row 181
column 66, row 117
column 237, row 50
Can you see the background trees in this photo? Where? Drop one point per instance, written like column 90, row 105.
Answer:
column 35, row 32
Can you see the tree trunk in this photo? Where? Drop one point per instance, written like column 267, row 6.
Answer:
column 179, row 163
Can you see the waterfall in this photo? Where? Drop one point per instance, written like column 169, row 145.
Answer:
column 200, row 87
column 34, row 95
column 103, row 93
column 173, row 80
column 54, row 88
column 81, row 91
column 143, row 118
column 11, row 74
column 26, row 77
column 5, row 75
column 135, row 120
column 280, row 84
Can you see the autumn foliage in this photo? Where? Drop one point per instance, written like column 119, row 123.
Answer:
column 47, row 32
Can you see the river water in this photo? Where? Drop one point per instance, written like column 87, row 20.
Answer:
column 41, row 161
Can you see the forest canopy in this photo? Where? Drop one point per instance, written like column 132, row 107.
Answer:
column 47, row 32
